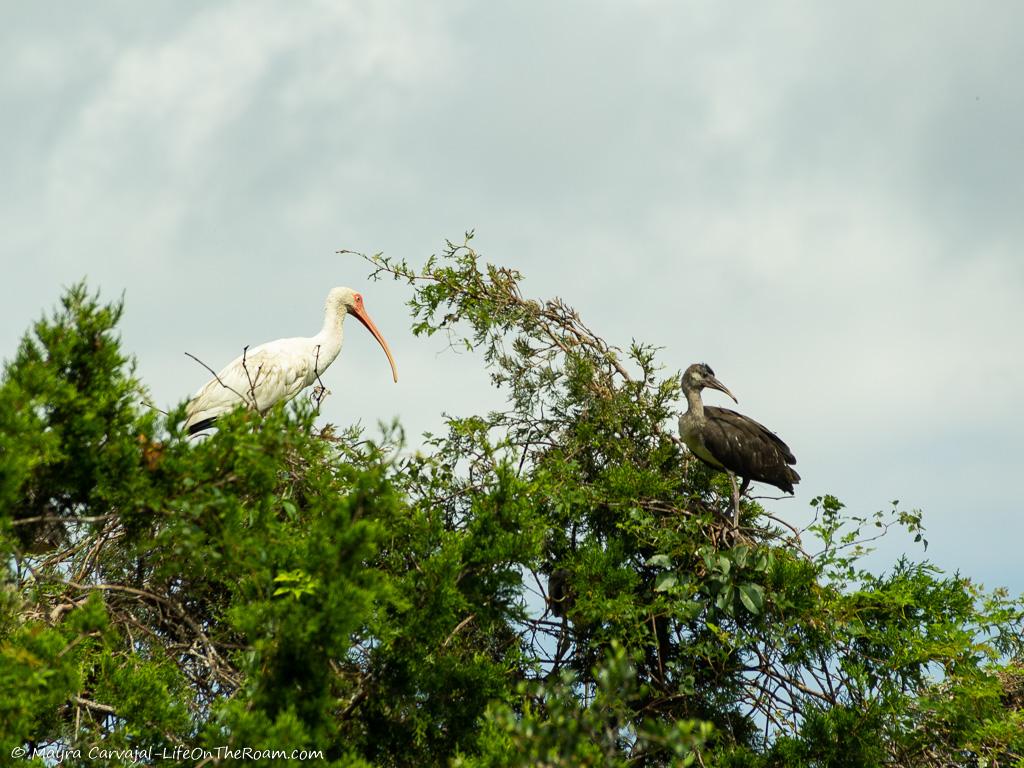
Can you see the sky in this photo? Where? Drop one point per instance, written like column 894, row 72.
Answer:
column 821, row 201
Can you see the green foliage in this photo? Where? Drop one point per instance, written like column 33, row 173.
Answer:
column 556, row 583
column 561, row 725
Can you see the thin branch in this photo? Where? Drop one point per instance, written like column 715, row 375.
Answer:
column 458, row 627
column 320, row 391
column 252, row 382
column 60, row 519
column 215, row 375
column 95, row 707
column 212, row 657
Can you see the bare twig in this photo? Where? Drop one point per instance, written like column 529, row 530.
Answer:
column 252, row 381
column 59, row 519
column 215, row 375
column 94, row 706
column 211, row 657
column 458, row 627
column 320, row 391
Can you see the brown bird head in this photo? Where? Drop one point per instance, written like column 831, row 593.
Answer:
column 700, row 376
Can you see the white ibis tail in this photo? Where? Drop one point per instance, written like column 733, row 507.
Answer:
column 732, row 442
column 278, row 370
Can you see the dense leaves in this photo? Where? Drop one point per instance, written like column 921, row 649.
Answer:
column 557, row 583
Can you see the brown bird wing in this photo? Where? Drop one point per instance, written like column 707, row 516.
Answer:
column 749, row 449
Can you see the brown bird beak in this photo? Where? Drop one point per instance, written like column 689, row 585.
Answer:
column 360, row 312
column 716, row 384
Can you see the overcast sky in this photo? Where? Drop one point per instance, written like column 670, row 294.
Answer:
column 822, row 201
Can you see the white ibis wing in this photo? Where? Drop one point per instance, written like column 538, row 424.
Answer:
column 261, row 378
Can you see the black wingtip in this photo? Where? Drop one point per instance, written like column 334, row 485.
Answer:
column 792, row 479
column 199, row 426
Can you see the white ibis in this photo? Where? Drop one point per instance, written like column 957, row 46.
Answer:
column 278, row 370
column 732, row 442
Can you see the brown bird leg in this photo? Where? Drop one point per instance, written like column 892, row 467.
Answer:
column 735, row 501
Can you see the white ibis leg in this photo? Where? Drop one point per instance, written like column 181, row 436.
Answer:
column 735, row 501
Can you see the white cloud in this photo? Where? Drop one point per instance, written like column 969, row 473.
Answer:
column 147, row 152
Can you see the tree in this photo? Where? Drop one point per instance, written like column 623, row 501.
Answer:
column 553, row 584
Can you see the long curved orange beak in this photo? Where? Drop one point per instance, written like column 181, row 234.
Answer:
column 360, row 312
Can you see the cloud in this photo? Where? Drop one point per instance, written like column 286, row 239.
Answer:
column 172, row 125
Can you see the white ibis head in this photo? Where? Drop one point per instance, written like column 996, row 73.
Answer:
column 343, row 301
column 699, row 375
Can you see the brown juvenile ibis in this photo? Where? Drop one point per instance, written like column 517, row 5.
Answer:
column 732, row 442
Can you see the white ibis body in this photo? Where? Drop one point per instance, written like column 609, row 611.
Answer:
column 730, row 441
column 278, row 370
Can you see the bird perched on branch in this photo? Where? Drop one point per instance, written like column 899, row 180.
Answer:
column 732, row 442
column 278, row 370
